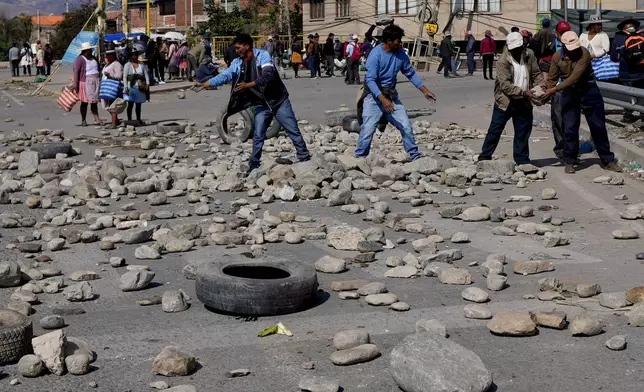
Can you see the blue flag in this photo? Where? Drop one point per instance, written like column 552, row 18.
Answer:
column 74, row 49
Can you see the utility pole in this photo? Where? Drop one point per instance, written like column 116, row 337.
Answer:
column 288, row 20
column 418, row 40
column 598, row 7
column 126, row 21
column 67, row 6
column 280, row 17
column 38, row 19
column 565, row 4
column 147, row 18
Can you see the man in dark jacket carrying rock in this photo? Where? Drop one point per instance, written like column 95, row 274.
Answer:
column 256, row 82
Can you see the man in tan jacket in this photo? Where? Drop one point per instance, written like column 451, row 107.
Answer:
column 517, row 72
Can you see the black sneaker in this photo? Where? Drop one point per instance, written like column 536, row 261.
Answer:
column 283, row 161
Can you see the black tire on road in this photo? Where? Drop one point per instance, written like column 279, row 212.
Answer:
column 267, row 288
column 15, row 336
column 249, row 120
column 171, row 126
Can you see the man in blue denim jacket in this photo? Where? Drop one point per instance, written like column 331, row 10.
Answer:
column 256, row 82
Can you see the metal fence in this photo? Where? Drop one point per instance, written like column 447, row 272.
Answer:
column 622, row 96
column 219, row 44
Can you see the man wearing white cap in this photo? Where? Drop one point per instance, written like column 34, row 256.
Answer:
column 579, row 92
column 352, row 53
column 517, row 72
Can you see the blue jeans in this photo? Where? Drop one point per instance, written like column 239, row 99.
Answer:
column 470, row 63
column 521, row 115
column 371, row 113
column 588, row 100
column 313, row 65
column 286, row 118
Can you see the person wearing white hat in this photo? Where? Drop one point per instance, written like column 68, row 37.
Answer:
column 86, row 82
column 352, row 54
column 579, row 92
column 136, row 81
column 517, row 72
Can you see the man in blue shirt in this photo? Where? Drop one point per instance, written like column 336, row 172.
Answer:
column 383, row 65
column 255, row 82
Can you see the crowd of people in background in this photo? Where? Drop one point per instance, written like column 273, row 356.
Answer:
column 39, row 56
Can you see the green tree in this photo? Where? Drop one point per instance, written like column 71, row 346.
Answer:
column 222, row 23
column 69, row 27
column 17, row 29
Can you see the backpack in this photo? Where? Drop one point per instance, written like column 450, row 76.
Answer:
column 634, row 48
column 356, row 51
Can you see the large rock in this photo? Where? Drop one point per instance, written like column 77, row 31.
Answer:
column 339, row 197
column 530, row 267
column 136, row 280
column 10, row 274
column 50, row 348
column 496, row 168
column 28, row 162
column 513, row 323
column 586, row 324
column 79, row 292
column 350, row 356
column 476, row 214
column 30, row 366
column 454, row 276
column 171, row 362
column 635, row 294
column 430, row 363
column 424, row 165
column 174, row 301
column 475, row 294
column 404, row 271
column 636, row 315
column 330, row 265
column 344, row 237
column 350, row 338
column 311, row 383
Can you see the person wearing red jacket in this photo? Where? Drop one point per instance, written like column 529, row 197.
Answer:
column 488, row 49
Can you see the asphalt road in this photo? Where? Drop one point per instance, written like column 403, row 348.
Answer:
column 126, row 337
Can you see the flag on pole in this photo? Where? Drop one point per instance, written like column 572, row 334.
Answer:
column 74, row 48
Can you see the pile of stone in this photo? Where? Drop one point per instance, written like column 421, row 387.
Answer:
column 57, row 353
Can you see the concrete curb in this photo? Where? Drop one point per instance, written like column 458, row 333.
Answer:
column 625, row 151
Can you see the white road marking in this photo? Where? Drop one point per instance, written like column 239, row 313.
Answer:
column 14, row 99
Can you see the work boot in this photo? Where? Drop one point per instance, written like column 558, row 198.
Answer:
column 612, row 166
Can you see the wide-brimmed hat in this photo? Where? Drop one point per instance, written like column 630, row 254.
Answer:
column 570, row 40
column 110, row 51
column 87, row 46
column 628, row 20
column 142, row 58
column 594, row 19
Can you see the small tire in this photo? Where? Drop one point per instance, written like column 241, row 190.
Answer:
column 219, row 287
column 273, row 129
column 171, row 126
column 16, row 332
column 222, row 128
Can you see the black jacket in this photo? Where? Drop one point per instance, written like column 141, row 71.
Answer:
column 446, row 48
column 627, row 72
column 328, row 49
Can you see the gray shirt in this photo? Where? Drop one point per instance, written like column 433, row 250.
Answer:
column 14, row 54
